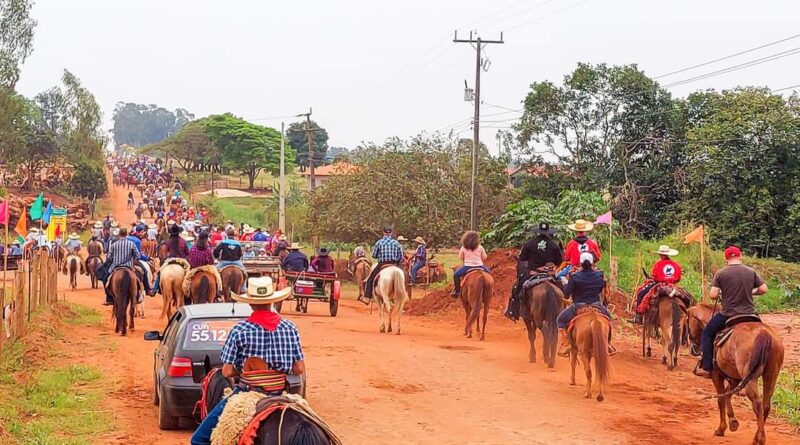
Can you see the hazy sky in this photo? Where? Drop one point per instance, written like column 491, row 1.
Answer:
column 375, row 69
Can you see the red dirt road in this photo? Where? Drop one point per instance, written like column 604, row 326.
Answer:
column 430, row 385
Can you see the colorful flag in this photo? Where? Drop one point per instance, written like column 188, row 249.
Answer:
column 4, row 213
column 21, row 228
column 48, row 212
column 696, row 236
column 58, row 231
column 36, row 207
column 605, row 218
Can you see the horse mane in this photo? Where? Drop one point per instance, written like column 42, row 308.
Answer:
column 303, row 431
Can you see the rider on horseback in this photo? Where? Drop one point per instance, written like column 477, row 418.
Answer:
column 265, row 336
column 472, row 256
column 585, row 288
column 665, row 270
column 229, row 253
column 178, row 248
column 737, row 284
column 387, row 250
column 538, row 252
column 581, row 244
column 121, row 253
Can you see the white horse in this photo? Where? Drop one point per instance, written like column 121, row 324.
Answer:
column 390, row 289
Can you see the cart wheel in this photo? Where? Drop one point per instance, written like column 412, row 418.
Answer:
column 334, row 307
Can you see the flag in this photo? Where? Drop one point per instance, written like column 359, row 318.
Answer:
column 605, row 218
column 4, row 213
column 58, row 231
column 21, row 228
column 696, row 236
column 48, row 212
column 36, row 207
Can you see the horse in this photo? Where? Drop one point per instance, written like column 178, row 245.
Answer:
column 232, row 279
column 59, row 253
column 588, row 335
column 753, row 350
column 171, row 285
column 477, row 289
column 72, row 266
column 162, row 252
column 390, row 287
column 539, row 311
column 92, row 263
column 152, row 210
column 124, row 288
column 667, row 322
column 201, row 285
column 149, row 247
column 361, row 269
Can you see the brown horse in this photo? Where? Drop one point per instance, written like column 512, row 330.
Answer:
column 232, row 279
column 589, row 339
column 667, row 322
column 201, row 285
column 124, row 288
column 753, row 350
column 477, row 289
column 59, row 253
column 162, row 252
column 92, row 263
column 149, row 247
column 361, row 270
column 539, row 311
column 72, row 266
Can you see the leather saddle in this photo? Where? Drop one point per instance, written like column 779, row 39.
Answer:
column 583, row 310
column 725, row 334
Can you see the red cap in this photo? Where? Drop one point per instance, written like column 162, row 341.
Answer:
column 732, row 252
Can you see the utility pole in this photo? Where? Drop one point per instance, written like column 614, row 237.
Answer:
column 473, row 210
column 310, row 142
column 282, row 202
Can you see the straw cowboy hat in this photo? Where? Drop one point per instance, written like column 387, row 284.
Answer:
column 294, row 246
column 98, row 225
column 171, row 222
column 74, row 235
column 666, row 250
column 581, row 225
column 187, row 237
column 247, row 229
column 34, row 230
column 402, row 238
column 419, row 240
column 260, row 290
column 114, row 224
column 152, row 226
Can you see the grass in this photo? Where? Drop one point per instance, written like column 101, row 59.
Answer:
column 787, row 397
column 83, row 316
column 250, row 210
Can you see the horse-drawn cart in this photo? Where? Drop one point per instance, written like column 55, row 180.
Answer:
column 307, row 286
column 263, row 265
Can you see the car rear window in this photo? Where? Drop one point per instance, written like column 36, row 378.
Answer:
column 207, row 334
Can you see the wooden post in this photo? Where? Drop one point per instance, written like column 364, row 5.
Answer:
column 703, row 290
column 19, row 302
column 614, row 274
column 35, row 282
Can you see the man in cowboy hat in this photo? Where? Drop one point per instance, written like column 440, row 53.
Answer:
column 581, row 244
column 540, row 251
column 122, row 253
column 386, row 250
column 263, row 337
column 97, row 229
column 665, row 270
column 249, row 253
column 74, row 243
column 420, row 258
column 295, row 260
column 323, row 263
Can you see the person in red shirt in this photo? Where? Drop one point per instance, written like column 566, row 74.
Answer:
column 216, row 237
column 204, row 215
column 665, row 270
column 580, row 244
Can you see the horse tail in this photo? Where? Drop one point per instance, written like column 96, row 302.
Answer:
column 759, row 358
column 121, row 297
column 476, row 310
column 398, row 286
column 202, row 289
column 676, row 328
column 600, row 350
column 551, row 310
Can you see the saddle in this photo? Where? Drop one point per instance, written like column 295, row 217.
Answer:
column 583, row 310
column 536, row 279
column 180, row 261
column 187, row 279
column 651, row 299
column 725, row 334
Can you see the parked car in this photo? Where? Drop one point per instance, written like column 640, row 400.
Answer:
column 193, row 332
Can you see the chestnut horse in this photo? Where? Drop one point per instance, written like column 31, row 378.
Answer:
column 361, row 270
column 753, row 350
column 544, row 302
column 589, row 339
column 476, row 289
column 203, row 287
column 92, row 263
column 124, row 288
column 232, row 279
column 667, row 323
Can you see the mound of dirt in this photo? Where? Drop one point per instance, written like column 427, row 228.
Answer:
column 433, row 303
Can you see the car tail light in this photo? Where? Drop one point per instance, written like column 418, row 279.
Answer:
column 180, row 367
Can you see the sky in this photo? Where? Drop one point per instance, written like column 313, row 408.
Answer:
column 371, row 70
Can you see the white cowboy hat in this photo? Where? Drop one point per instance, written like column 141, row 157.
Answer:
column 581, row 225
column 260, row 290
column 152, row 226
column 294, row 246
column 419, row 240
column 402, row 238
column 114, row 224
column 115, row 232
column 248, row 229
column 98, row 225
column 34, row 230
column 171, row 222
column 666, row 250
column 187, row 237
column 74, row 235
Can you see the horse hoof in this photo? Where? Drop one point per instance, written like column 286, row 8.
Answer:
column 600, row 398
column 733, row 425
column 469, row 335
column 483, row 338
column 719, row 433
column 586, row 395
column 663, row 360
column 389, row 330
column 573, row 384
column 382, row 330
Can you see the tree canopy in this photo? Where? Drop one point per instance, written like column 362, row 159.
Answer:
column 298, row 139
column 16, row 39
column 138, row 125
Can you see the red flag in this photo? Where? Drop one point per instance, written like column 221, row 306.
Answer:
column 57, row 232
column 696, row 236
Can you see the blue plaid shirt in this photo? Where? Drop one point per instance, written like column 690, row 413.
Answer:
column 279, row 348
column 388, row 250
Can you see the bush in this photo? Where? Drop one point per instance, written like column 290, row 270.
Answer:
column 89, row 180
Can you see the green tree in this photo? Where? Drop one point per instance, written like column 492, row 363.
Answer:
column 88, row 181
column 297, row 138
column 16, row 39
column 139, row 125
column 190, row 147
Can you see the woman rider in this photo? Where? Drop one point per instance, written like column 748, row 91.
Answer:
column 585, row 287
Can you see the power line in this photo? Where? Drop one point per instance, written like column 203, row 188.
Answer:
column 578, row 3
column 737, row 67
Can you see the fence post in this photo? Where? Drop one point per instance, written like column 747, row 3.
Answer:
column 36, row 282
column 52, row 278
column 19, row 301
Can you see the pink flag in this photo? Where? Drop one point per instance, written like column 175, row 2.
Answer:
column 605, row 218
column 4, row 213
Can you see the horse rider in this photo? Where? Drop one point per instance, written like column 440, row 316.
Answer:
column 386, row 250
column 585, row 287
column 472, row 256
column 229, row 253
column 581, row 244
column 94, row 247
column 735, row 284
column 16, row 250
column 177, row 248
column 358, row 253
column 97, row 229
column 323, row 263
column 73, row 244
column 264, row 336
column 537, row 253
column 295, row 260
column 665, row 270
column 143, row 259
column 420, row 258
column 201, row 253
column 122, row 253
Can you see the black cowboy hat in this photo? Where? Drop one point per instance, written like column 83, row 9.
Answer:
column 175, row 230
column 322, row 251
column 544, row 229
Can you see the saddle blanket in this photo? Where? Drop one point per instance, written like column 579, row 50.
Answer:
column 536, row 279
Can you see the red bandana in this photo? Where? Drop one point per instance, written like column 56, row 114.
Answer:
column 266, row 319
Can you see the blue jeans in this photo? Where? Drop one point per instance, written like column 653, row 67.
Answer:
column 157, row 283
column 202, row 435
column 716, row 324
column 414, row 269
column 569, row 313
column 460, row 272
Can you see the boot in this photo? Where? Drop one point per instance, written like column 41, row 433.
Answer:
column 456, row 288
column 512, row 312
column 565, row 347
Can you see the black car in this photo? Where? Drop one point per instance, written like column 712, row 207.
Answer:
column 194, row 332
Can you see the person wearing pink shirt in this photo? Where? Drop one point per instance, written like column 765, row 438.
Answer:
column 472, row 256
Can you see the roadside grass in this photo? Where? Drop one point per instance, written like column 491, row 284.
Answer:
column 787, row 397
column 42, row 402
column 82, row 315
column 249, row 210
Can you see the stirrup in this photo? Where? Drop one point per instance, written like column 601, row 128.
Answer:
column 612, row 350
column 364, row 299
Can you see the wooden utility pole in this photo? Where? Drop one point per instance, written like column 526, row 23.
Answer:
column 282, row 198
column 473, row 210
column 310, row 142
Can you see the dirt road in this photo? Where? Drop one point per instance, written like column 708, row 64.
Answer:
column 430, row 385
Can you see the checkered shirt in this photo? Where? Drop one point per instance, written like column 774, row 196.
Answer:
column 123, row 253
column 388, row 250
column 280, row 349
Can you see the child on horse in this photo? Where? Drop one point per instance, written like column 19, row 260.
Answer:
column 665, row 270
column 472, row 256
